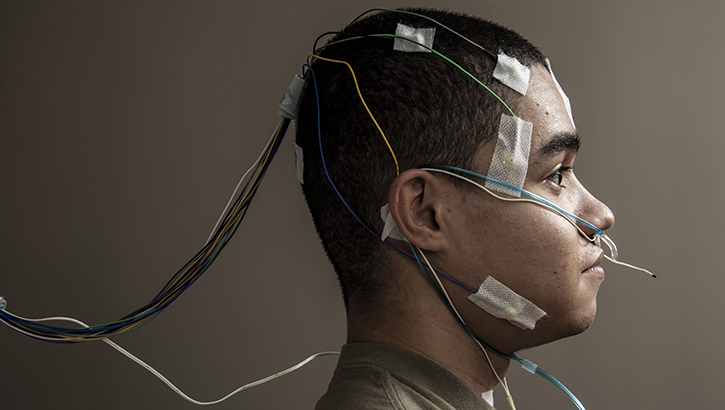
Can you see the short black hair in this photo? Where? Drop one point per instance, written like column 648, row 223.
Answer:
column 431, row 113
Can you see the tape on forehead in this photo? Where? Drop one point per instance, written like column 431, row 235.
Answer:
column 511, row 157
column 562, row 93
column 512, row 74
column 501, row 302
column 423, row 36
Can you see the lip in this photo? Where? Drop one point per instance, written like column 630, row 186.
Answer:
column 596, row 270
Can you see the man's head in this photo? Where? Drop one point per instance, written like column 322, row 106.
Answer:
column 538, row 253
column 433, row 113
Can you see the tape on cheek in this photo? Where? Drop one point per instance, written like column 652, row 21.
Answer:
column 563, row 94
column 511, row 157
column 501, row 302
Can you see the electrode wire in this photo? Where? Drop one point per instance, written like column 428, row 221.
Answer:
column 231, row 198
column 452, row 306
column 429, row 19
column 359, row 93
column 173, row 387
column 525, row 363
column 432, row 51
column 339, row 195
column 597, row 238
column 180, row 281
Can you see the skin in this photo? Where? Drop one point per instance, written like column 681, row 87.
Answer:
column 469, row 235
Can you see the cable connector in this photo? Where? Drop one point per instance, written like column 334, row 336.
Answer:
column 3, row 303
column 529, row 366
column 288, row 105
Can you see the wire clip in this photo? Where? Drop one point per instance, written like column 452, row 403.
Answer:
column 3, row 303
column 529, row 366
column 288, row 105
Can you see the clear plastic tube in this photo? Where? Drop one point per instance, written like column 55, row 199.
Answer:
column 598, row 237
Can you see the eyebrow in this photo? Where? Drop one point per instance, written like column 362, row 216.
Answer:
column 565, row 141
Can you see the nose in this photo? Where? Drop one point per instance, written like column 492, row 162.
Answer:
column 595, row 212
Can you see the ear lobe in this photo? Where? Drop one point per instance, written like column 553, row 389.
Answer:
column 415, row 204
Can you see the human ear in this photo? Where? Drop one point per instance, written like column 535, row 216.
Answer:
column 415, row 202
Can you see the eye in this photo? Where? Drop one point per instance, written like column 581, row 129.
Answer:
column 558, row 176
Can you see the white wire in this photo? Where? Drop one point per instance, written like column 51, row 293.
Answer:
column 503, row 382
column 440, row 24
column 453, row 174
column 242, row 179
column 596, row 239
column 166, row 381
column 629, row 266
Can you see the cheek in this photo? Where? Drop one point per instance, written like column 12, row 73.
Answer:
column 542, row 263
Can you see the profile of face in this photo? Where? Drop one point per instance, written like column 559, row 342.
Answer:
column 535, row 252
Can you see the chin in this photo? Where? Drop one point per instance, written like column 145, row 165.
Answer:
column 582, row 322
column 572, row 325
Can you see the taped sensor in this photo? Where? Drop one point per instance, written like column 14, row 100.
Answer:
column 510, row 160
column 501, row 302
column 423, row 36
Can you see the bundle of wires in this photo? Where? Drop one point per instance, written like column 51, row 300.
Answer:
column 222, row 232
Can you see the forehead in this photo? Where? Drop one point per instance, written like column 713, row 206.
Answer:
column 543, row 106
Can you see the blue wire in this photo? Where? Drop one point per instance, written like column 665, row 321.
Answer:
column 551, row 379
column 531, row 195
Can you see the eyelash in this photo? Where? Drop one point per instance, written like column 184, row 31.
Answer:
column 558, row 176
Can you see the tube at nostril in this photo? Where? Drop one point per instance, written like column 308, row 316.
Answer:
column 615, row 254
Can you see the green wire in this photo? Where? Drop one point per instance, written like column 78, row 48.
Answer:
column 432, row 51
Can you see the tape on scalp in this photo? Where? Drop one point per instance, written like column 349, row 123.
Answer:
column 299, row 163
column 511, row 158
column 512, row 74
column 390, row 230
column 501, row 302
column 423, row 36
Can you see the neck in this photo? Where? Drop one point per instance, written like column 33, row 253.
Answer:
column 428, row 329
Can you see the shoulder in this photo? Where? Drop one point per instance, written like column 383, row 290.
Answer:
column 375, row 377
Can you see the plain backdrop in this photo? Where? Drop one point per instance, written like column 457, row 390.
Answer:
column 124, row 127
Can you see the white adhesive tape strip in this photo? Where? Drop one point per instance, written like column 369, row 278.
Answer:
column 563, row 94
column 511, row 73
column 501, row 302
column 510, row 160
column 390, row 230
column 299, row 163
column 423, row 36
column 288, row 104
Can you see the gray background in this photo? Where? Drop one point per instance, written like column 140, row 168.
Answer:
column 124, row 127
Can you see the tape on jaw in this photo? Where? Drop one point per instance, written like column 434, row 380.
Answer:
column 503, row 303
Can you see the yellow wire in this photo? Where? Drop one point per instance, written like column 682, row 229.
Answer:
column 397, row 167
